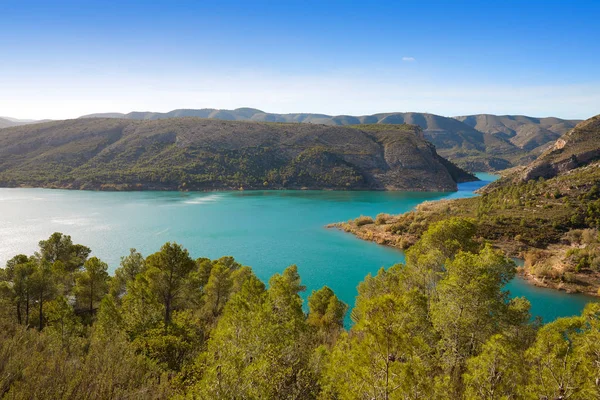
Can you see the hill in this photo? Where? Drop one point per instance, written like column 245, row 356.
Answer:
column 548, row 213
column 7, row 122
column 528, row 133
column 476, row 142
column 576, row 148
column 210, row 154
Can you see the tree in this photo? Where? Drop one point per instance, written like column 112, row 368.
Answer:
column 92, row 283
column 22, row 287
column 131, row 265
column 425, row 261
column 587, row 351
column 444, row 239
column 469, row 306
column 60, row 247
column 284, row 293
column 43, row 287
column 388, row 353
column 260, row 347
column 62, row 321
column 216, row 291
column 173, row 349
column 141, row 308
column 326, row 314
column 166, row 272
column 558, row 363
column 237, row 347
column 496, row 372
column 12, row 264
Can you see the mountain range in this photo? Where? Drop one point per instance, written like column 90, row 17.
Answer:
column 480, row 142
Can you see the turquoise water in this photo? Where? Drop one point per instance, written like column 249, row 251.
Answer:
column 267, row 230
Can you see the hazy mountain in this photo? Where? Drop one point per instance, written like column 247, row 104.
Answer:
column 6, row 122
column 205, row 154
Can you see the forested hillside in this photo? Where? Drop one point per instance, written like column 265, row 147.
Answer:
column 168, row 326
column 202, row 154
column 548, row 213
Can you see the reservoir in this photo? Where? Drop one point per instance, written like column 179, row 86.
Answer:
column 267, row 230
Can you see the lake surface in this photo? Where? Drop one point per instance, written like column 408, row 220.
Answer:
column 267, row 230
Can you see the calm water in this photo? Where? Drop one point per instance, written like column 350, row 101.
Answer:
column 267, row 230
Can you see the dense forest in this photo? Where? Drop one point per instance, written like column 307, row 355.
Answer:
column 168, row 326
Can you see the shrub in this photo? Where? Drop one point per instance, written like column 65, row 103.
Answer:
column 569, row 277
column 381, row 219
column 589, row 236
column 362, row 220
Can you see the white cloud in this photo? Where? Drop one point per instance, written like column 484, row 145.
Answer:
column 408, row 59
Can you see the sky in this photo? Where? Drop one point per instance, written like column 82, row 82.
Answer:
column 64, row 59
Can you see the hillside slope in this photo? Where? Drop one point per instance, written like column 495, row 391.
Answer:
column 476, row 142
column 528, row 133
column 576, row 148
column 552, row 222
column 209, row 154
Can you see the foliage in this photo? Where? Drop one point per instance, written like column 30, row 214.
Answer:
column 439, row 327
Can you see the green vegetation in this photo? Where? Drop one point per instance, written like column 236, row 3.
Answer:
column 168, row 326
column 522, row 218
column 551, row 222
column 201, row 154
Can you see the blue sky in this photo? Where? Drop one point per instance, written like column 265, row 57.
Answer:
column 62, row 59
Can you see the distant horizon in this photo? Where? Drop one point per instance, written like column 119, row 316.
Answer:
column 33, row 119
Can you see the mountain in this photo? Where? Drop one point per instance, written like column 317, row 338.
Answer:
column 460, row 142
column 6, row 122
column 576, row 148
column 481, row 142
column 528, row 133
column 552, row 223
column 209, row 154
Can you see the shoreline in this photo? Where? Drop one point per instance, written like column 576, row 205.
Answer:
column 549, row 283
column 403, row 242
column 141, row 188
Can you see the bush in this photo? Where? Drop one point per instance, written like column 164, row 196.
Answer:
column 381, row 219
column 589, row 236
column 533, row 257
column 362, row 220
column 569, row 277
